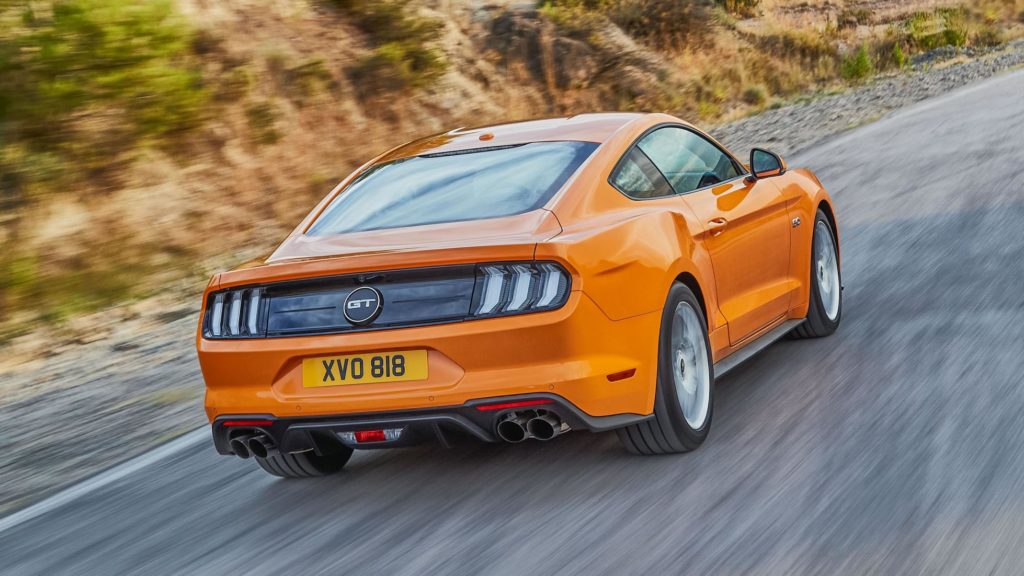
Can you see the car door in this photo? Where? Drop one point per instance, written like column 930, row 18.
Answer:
column 747, row 229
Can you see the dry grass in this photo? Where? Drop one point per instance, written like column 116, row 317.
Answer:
column 727, row 63
column 300, row 92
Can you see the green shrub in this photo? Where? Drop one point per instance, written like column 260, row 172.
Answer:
column 405, row 53
column 308, row 78
column 955, row 21
column 989, row 35
column 107, row 274
column 82, row 81
column 755, row 95
column 943, row 27
column 745, row 8
column 262, row 117
column 75, row 55
column 858, row 65
column 234, row 84
column 665, row 24
column 854, row 16
column 398, row 65
column 898, row 57
column 580, row 19
column 811, row 50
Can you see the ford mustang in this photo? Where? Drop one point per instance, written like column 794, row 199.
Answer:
column 515, row 282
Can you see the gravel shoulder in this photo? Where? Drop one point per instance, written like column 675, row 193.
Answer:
column 792, row 128
column 113, row 385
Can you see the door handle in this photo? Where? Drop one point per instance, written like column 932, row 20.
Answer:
column 717, row 226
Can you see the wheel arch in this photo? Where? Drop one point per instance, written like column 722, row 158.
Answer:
column 690, row 281
column 825, row 206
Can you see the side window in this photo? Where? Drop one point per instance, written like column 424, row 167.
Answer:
column 637, row 177
column 687, row 160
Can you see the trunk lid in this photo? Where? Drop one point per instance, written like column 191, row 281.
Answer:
column 507, row 238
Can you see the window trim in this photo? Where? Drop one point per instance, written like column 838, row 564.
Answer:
column 622, row 160
column 743, row 172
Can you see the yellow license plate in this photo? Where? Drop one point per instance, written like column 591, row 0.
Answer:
column 372, row 368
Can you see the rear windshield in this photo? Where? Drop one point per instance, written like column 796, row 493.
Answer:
column 450, row 187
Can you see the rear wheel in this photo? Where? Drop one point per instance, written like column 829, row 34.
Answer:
column 305, row 464
column 825, row 308
column 684, row 396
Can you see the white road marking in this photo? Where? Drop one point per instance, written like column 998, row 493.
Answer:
column 105, row 478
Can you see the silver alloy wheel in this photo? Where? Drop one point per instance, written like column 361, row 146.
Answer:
column 690, row 365
column 826, row 269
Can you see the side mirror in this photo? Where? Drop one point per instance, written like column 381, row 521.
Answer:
column 764, row 163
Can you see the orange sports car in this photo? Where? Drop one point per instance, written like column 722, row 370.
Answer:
column 596, row 272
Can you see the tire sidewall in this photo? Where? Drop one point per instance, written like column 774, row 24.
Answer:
column 667, row 400
column 817, row 312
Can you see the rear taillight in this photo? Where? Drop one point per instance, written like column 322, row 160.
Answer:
column 407, row 298
column 235, row 314
column 503, row 289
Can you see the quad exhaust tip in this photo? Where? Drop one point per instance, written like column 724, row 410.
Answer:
column 519, row 426
column 240, row 446
column 260, row 446
column 513, row 429
column 544, row 427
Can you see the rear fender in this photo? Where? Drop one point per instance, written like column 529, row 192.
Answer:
column 627, row 262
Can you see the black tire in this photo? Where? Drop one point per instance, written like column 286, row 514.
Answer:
column 668, row 431
column 818, row 324
column 305, row 464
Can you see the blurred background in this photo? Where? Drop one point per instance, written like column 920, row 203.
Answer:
column 146, row 144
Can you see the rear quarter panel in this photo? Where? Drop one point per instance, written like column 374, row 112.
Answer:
column 627, row 260
column 627, row 252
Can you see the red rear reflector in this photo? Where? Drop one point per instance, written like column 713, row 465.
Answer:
column 235, row 423
column 507, row 405
column 621, row 375
column 370, row 436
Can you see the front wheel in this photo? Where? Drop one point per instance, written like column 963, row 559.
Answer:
column 684, row 396
column 825, row 308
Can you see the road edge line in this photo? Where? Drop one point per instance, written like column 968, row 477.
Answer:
column 109, row 476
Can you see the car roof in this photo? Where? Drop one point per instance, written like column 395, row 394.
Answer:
column 581, row 127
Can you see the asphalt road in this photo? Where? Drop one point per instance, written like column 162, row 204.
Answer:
column 895, row 446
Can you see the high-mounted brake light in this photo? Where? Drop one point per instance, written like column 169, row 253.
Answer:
column 510, row 405
column 517, row 288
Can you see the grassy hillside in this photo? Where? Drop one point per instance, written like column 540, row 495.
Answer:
column 143, row 141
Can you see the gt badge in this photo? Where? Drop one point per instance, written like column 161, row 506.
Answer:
column 363, row 305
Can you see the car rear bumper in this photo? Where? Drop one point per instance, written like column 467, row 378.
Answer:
column 568, row 353
column 473, row 418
